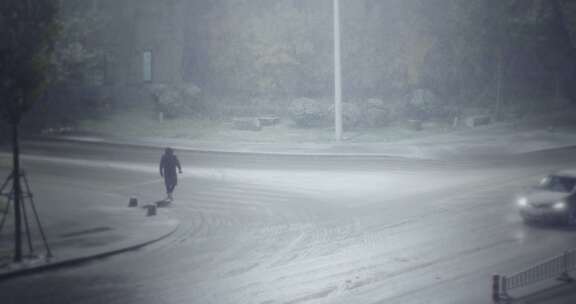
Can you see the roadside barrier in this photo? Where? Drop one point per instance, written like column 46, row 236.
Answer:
column 496, row 294
column 558, row 268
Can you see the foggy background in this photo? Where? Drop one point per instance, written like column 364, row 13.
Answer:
column 452, row 111
column 426, row 60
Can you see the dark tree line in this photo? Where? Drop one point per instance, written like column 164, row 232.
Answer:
column 27, row 32
column 470, row 52
column 474, row 53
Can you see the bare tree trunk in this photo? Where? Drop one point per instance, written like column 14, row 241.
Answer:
column 499, row 77
column 557, row 89
column 17, row 193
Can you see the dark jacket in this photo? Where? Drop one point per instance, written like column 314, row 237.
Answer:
column 168, row 165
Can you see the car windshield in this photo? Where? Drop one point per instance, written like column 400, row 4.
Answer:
column 558, row 183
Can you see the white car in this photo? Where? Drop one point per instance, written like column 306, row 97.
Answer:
column 553, row 200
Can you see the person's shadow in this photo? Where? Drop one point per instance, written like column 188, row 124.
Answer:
column 163, row 203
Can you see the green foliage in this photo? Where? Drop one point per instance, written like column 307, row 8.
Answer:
column 452, row 47
column 378, row 113
column 142, row 123
column 352, row 116
column 244, row 49
column 77, row 69
column 79, row 57
column 265, row 47
column 27, row 30
column 308, row 112
column 424, row 105
column 177, row 100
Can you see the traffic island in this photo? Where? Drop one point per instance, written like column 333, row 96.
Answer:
column 127, row 229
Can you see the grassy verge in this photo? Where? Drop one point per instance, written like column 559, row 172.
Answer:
column 394, row 133
column 144, row 124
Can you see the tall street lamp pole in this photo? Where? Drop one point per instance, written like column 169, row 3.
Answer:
column 337, row 73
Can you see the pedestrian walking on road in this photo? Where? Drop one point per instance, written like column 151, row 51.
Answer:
column 168, row 165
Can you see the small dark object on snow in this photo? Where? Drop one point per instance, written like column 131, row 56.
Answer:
column 163, row 203
column 150, row 210
column 133, row 202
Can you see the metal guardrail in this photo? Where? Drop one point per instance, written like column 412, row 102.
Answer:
column 557, row 267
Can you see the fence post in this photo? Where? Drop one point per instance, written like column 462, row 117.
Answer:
column 504, row 289
column 496, row 288
column 565, row 276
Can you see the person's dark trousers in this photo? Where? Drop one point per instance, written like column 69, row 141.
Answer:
column 170, row 182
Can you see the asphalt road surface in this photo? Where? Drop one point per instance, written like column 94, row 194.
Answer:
column 280, row 229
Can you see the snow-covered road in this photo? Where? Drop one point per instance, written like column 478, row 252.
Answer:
column 429, row 234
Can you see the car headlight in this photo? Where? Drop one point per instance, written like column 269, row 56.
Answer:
column 522, row 202
column 559, row 206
